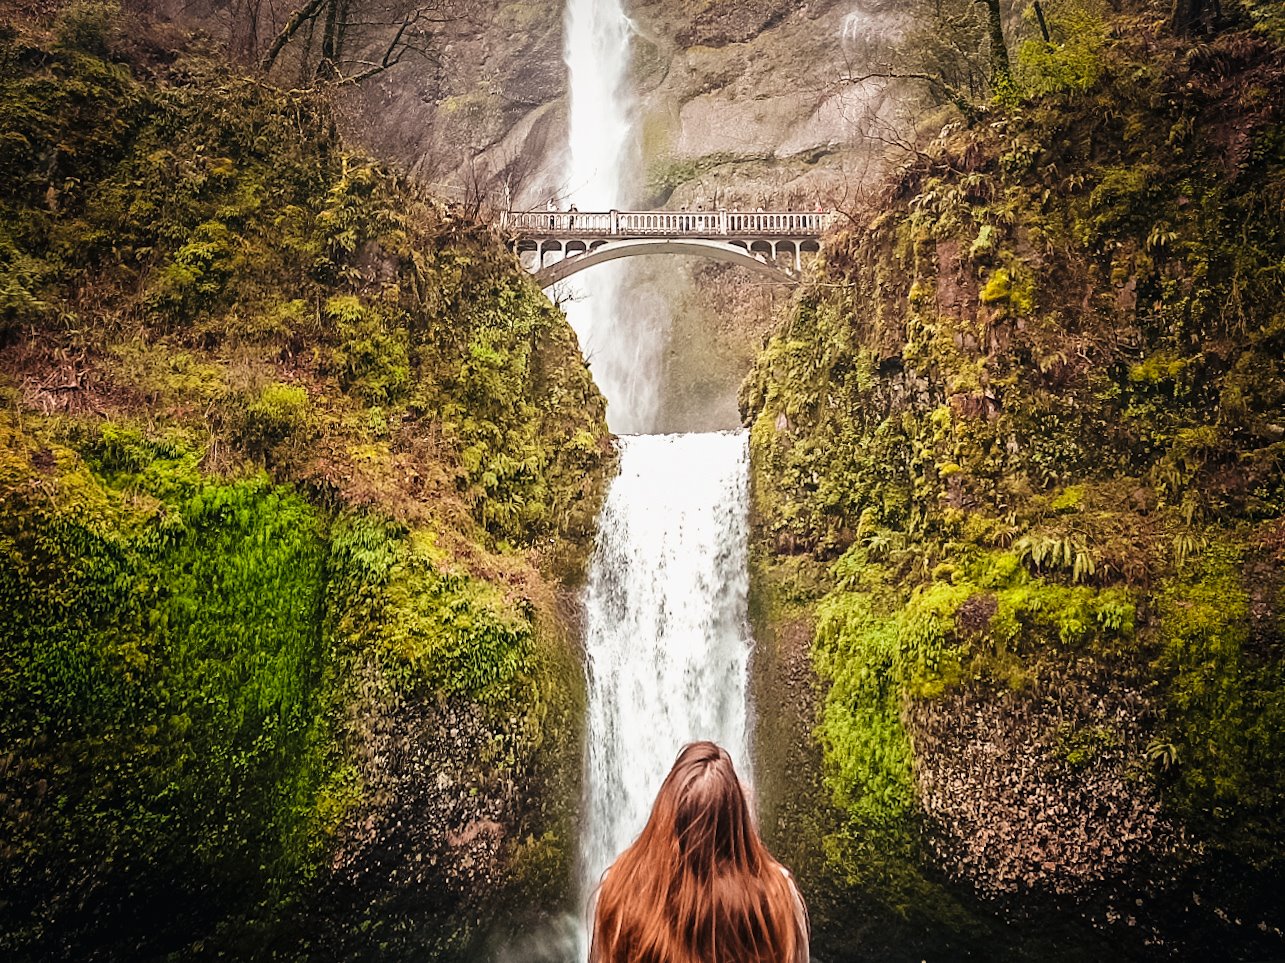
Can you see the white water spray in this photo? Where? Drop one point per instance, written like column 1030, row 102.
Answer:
column 668, row 637
column 622, row 345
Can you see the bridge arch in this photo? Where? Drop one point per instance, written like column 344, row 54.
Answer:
column 758, row 241
column 580, row 256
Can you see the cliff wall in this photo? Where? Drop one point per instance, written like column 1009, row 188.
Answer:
column 297, row 468
column 1017, row 459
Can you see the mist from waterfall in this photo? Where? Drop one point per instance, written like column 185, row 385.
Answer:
column 623, row 346
column 669, row 639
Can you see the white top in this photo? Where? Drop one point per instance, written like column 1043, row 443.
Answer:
column 804, row 954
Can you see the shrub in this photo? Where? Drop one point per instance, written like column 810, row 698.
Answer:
column 89, row 26
column 279, row 411
column 1073, row 60
column 372, row 356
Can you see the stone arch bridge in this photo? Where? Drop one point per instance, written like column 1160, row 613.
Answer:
column 770, row 243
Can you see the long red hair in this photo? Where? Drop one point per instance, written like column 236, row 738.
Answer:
column 698, row 885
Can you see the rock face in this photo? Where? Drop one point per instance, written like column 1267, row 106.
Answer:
column 1045, row 789
column 747, row 96
column 283, row 555
column 1048, row 659
column 488, row 110
column 451, row 797
column 738, row 105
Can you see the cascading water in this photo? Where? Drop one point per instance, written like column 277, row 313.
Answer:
column 597, row 56
column 667, row 625
column 668, row 638
column 622, row 346
column 668, row 642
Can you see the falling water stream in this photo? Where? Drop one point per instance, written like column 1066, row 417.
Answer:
column 667, row 636
column 622, row 344
column 668, row 640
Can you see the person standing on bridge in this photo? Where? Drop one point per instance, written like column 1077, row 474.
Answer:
column 552, row 208
column 572, row 211
column 698, row 885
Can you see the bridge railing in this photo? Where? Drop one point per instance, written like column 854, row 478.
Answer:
column 668, row 223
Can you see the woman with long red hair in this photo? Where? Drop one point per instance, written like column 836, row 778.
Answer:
column 698, row 885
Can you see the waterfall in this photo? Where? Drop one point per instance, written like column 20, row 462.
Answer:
column 866, row 33
column 668, row 639
column 597, row 55
column 623, row 345
column 854, row 28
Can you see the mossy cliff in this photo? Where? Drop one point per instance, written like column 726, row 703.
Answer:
column 294, row 464
column 1018, row 481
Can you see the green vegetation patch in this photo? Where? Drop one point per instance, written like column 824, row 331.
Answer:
column 1031, row 420
column 1226, row 702
column 162, row 697
column 290, row 456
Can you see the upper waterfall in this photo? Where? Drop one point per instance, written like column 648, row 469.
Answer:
column 623, row 345
column 600, row 128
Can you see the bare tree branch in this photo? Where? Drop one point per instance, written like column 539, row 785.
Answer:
column 935, row 83
column 347, row 37
column 301, row 16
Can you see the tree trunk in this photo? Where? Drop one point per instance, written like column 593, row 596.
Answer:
column 1044, row 27
column 301, row 16
column 1001, row 73
column 330, row 37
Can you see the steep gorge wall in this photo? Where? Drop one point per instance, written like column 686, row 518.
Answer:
column 296, row 469
column 737, row 106
column 1018, row 480
column 737, row 103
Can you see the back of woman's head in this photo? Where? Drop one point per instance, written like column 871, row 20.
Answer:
column 698, row 886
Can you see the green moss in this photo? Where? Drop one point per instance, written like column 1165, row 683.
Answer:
column 167, row 629
column 372, row 356
column 998, row 288
column 1268, row 18
column 166, row 375
column 1225, row 704
column 455, row 634
column 1046, row 454
column 87, row 27
column 1159, row 368
column 1079, row 747
column 277, row 412
column 337, row 449
column 1013, row 288
column 1070, row 499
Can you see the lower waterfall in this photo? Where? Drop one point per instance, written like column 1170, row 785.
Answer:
column 668, row 638
column 667, row 644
